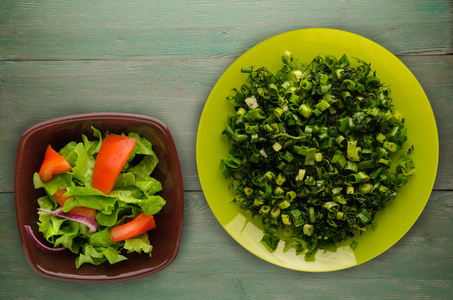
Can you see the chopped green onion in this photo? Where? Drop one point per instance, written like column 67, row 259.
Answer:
column 280, row 179
column 248, row 191
column 277, row 147
column 318, row 156
column 264, row 209
column 354, row 244
column 306, row 85
column 300, row 175
column 313, row 150
column 311, row 210
column 364, row 217
column 275, row 212
column 305, row 111
column 353, row 151
column 284, row 204
column 286, row 219
column 252, row 103
column 241, row 111
column 365, row 188
column 296, row 217
column 392, row 147
column 310, row 156
column 270, row 241
column 350, row 190
column 308, row 229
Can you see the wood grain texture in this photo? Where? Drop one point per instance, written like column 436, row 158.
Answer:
column 72, row 30
column 162, row 58
column 172, row 90
column 211, row 265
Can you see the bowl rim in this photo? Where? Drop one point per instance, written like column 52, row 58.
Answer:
column 170, row 147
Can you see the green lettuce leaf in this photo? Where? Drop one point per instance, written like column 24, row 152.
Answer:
column 89, row 197
column 60, row 181
column 47, row 203
column 100, row 239
column 118, row 216
column 138, row 244
column 152, row 205
column 70, row 232
column 143, row 146
column 108, row 220
column 83, row 169
column 113, row 255
column 125, row 180
column 68, row 242
column 52, row 228
column 146, row 166
column 69, row 153
column 98, row 255
column 148, row 185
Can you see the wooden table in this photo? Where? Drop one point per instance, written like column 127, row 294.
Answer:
column 162, row 58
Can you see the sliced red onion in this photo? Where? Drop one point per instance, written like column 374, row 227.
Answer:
column 40, row 245
column 92, row 224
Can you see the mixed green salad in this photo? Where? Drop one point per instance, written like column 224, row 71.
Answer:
column 316, row 151
column 94, row 206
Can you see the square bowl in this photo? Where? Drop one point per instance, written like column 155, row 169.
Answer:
column 165, row 238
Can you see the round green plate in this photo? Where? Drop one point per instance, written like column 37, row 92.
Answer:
column 410, row 100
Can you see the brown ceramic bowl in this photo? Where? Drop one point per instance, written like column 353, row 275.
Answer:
column 165, row 238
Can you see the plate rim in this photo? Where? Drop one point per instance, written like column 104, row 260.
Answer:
column 356, row 37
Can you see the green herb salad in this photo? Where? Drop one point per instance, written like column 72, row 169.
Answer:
column 99, row 225
column 316, row 151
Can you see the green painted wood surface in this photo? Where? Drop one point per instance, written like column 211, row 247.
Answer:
column 198, row 28
column 162, row 58
column 211, row 265
column 173, row 91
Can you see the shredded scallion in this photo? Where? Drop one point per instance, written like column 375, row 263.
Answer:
column 316, row 151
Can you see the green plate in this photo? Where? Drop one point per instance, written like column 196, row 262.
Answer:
column 410, row 100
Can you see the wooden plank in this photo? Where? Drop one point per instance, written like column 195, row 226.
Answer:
column 172, row 90
column 211, row 265
column 434, row 75
column 58, row 29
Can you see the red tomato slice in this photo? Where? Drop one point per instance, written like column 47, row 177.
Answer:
column 112, row 156
column 79, row 210
column 53, row 164
column 141, row 224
